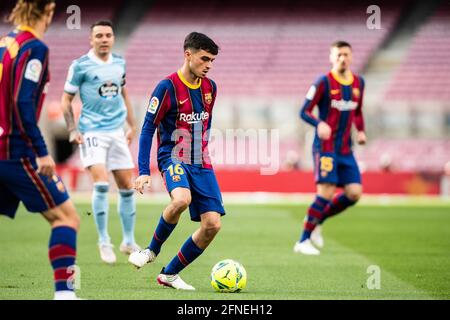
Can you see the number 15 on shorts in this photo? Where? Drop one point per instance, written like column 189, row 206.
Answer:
column 326, row 165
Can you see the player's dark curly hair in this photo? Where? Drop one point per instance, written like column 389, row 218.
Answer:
column 199, row 41
column 28, row 11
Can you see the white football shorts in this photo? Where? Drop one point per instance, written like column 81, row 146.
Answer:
column 106, row 147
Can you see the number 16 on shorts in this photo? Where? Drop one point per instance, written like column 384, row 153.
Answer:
column 175, row 172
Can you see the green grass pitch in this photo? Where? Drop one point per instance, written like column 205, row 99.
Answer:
column 409, row 244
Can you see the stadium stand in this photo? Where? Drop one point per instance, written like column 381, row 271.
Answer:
column 427, row 62
column 423, row 155
column 272, row 51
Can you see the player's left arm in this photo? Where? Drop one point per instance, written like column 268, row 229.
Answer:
column 26, row 96
column 131, row 121
column 361, row 137
column 31, row 70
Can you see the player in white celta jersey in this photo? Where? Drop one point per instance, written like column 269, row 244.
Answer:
column 99, row 77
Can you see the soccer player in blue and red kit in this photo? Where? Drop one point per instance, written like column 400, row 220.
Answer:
column 181, row 110
column 27, row 171
column 339, row 96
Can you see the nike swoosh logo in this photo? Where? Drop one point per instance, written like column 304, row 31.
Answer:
column 181, row 102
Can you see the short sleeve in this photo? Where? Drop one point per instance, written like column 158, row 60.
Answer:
column 74, row 78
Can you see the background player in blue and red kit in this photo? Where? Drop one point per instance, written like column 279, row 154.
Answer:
column 27, row 171
column 339, row 96
column 181, row 109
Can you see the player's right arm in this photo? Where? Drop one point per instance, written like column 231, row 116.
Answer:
column 314, row 95
column 158, row 106
column 73, row 82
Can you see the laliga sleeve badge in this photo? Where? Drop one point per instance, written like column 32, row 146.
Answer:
column 176, row 178
column 311, row 93
column 33, row 70
column 153, row 105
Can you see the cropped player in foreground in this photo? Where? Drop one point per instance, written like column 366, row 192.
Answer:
column 339, row 96
column 181, row 109
column 27, row 171
column 99, row 76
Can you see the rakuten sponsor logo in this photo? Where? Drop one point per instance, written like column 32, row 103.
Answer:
column 194, row 117
column 343, row 105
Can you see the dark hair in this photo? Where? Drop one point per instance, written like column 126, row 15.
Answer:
column 105, row 23
column 341, row 44
column 199, row 41
column 28, row 11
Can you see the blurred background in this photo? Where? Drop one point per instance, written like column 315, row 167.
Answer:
column 270, row 55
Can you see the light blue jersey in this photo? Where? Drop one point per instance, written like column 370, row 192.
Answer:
column 100, row 84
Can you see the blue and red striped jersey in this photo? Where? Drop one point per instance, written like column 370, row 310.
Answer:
column 182, row 113
column 340, row 106
column 24, row 77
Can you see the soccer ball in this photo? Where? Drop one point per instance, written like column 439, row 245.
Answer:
column 228, row 276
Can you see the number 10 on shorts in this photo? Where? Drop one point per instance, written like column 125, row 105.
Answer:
column 91, row 142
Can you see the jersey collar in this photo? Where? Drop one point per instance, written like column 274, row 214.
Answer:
column 341, row 80
column 93, row 57
column 189, row 85
column 28, row 29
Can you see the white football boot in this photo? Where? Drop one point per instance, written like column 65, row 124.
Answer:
column 107, row 253
column 129, row 248
column 306, row 247
column 173, row 281
column 316, row 237
column 141, row 258
column 65, row 295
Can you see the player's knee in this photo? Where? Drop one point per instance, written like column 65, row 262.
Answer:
column 74, row 221
column 211, row 228
column 71, row 218
column 181, row 204
column 354, row 195
column 64, row 217
column 68, row 215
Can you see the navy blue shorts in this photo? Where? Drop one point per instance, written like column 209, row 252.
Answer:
column 202, row 183
column 19, row 182
column 337, row 169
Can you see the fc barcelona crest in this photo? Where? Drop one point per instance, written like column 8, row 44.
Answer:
column 208, row 98
column 356, row 92
column 59, row 184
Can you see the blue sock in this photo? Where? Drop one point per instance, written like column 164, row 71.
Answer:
column 187, row 254
column 127, row 211
column 162, row 232
column 100, row 206
column 314, row 217
column 62, row 253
